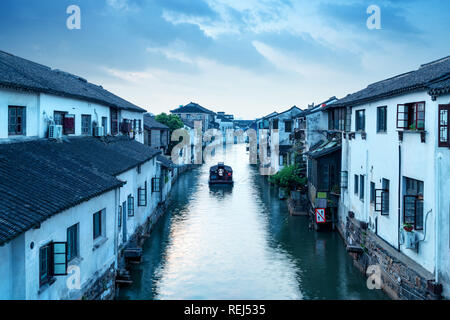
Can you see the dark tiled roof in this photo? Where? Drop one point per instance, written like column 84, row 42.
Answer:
column 188, row 123
column 192, row 108
column 41, row 178
column 279, row 114
column 408, row 82
column 439, row 88
column 18, row 73
column 324, row 148
column 151, row 123
column 165, row 162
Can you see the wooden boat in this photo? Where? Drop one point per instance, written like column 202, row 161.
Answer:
column 220, row 175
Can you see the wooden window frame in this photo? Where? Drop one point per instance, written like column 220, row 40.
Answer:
column 357, row 120
column 83, row 117
column 130, row 206
column 46, row 277
column 114, row 115
column 404, row 120
column 22, row 124
column 77, row 242
column 407, row 218
column 100, row 227
column 142, row 196
column 50, row 262
column 290, row 126
column 372, row 192
column 443, row 126
column 383, row 128
column 344, row 179
column 156, row 185
column 361, row 187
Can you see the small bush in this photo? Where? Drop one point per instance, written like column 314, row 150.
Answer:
column 289, row 178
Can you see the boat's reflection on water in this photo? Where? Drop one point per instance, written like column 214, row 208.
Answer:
column 220, row 191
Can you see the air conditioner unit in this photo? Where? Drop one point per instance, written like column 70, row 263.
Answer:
column 55, row 131
column 99, row 131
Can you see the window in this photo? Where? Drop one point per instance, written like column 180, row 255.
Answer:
column 130, row 206
column 288, row 126
column 360, row 120
column 413, row 203
column 139, row 169
column 382, row 198
column 444, row 126
column 361, row 193
column 86, row 125
column 45, row 273
column 142, row 196
column 52, row 262
column 114, row 122
column 356, row 184
column 344, row 179
column 411, row 116
column 119, row 223
column 97, row 224
column 139, row 125
column 372, row 192
column 105, row 125
column 275, row 124
column 67, row 121
column 16, row 121
column 156, row 185
column 72, row 242
column 381, row 119
column 337, row 119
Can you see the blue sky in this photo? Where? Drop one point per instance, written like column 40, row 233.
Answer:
column 244, row 57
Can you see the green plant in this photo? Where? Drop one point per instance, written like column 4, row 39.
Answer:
column 412, row 127
column 171, row 120
column 336, row 189
column 289, row 178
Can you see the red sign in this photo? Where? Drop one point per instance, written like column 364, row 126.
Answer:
column 320, row 216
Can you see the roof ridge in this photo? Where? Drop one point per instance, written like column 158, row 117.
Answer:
column 29, row 61
column 434, row 62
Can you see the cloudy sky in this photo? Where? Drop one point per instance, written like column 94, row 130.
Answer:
column 246, row 57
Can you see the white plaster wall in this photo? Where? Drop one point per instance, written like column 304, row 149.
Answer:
column 149, row 170
column 377, row 158
column 51, row 103
column 92, row 262
column 19, row 98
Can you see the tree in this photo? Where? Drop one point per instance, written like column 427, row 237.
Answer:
column 172, row 121
column 290, row 177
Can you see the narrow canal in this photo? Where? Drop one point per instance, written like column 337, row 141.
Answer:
column 240, row 243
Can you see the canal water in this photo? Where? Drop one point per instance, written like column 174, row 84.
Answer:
column 240, row 243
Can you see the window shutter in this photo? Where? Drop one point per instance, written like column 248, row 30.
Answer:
column 59, row 251
column 382, row 201
column 402, row 116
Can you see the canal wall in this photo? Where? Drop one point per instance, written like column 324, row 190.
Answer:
column 397, row 275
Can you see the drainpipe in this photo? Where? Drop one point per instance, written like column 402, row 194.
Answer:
column 399, row 193
column 437, row 226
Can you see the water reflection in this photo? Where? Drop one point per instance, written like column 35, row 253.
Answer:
column 239, row 242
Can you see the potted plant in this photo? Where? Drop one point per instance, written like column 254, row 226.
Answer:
column 408, row 227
